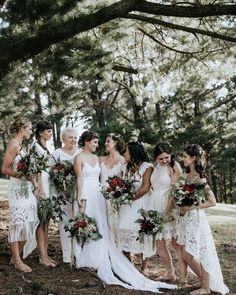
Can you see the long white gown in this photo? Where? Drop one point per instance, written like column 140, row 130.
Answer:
column 23, row 211
column 112, row 215
column 161, row 184
column 128, row 229
column 112, row 267
column 194, row 233
column 60, row 155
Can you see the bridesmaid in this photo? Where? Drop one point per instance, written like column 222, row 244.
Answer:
column 166, row 172
column 111, row 165
column 43, row 134
column 22, row 205
column 139, row 169
column 193, row 230
column 69, row 138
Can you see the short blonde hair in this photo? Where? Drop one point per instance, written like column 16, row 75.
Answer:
column 68, row 130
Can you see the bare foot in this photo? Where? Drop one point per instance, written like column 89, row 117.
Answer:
column 19, row 264
column 200, row 291
column 46, row 261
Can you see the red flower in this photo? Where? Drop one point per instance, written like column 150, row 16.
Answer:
column 81, row 224
column 113, row 183
column 59, row 166
column 22, row 166
column 190, row 188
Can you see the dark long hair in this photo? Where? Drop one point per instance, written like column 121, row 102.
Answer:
column 164, row 147
column 87, row 136
column 137, row 154
column 42, row 126
column 196, row 151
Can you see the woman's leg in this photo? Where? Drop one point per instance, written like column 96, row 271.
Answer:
column 165, row 256
column 41, row 235
column 16, row 249
column 182, row 263
column 205, row 284
column 191, row 262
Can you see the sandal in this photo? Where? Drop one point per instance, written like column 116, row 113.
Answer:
column 19, row 264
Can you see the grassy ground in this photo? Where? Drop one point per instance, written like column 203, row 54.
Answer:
column 64, row 281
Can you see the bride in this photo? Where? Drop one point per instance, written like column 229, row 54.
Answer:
column 112, row 267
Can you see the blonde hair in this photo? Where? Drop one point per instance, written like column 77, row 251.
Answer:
column 64, row 132
column 18, row 124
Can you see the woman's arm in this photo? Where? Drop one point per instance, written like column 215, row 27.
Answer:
column 176, row 172
column 9, row 157
column 78, row 165
column 146, row 184
column 210, row 201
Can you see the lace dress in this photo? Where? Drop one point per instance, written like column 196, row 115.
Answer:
column 194, row 232
column 112, row 215
column 112, row 267
column 128, row 229
column 58, row 155
column 161, row 183
column 23, row 211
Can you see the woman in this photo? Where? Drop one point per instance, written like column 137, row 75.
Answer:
column 139, row 169
column 22, row 203
column 166, row 172
column 69, row 138
column 111, row 265
column 193, row 230
column 43, row 133
column 111, row 165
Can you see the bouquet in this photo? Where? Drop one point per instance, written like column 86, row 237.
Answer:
column 29, row 166
column 150, row 224
column 63, row 177
column 119, row 192
column 32, row 164
column 188, row 194
column 83, row 228
column 50, row 209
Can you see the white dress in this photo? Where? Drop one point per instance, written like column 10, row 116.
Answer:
column 23, row 211
column 161, row 184
column 128, row 229
column 112, row 215
column 45, row 174
column 112, row 267
column 58, row 155
column 194, row 232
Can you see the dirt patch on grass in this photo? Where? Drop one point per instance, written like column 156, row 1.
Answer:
column 63, row 280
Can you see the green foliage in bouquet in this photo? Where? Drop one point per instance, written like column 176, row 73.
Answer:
column 50, row 208
column 63, row 177
column 150, row 224
column 83, row 228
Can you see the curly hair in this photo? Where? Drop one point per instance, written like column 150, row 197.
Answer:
column 87, row 136
column 119, row 141
column 164, row 147
column 18, row 124
column 196, row 151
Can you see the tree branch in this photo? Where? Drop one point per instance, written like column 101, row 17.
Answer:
column 21, row 47
column 120, row 68
column 179, row 27
column 170, row 48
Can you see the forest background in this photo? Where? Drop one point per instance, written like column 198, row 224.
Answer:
column 149, row 70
